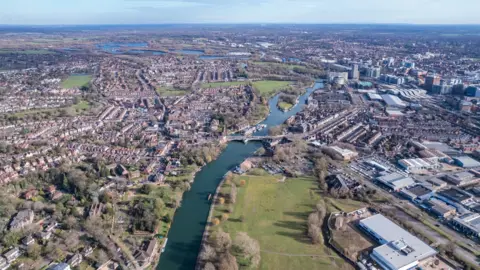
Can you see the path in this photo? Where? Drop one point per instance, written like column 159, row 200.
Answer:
column 298, row 255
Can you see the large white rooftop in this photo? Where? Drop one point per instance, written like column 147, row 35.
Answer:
column 400, row 248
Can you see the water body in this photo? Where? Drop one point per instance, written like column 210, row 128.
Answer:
column 189, row 52
column 186, row 232
column 115, row 47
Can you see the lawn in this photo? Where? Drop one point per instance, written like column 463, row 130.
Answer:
column 169, row 92
column 74, row 81
column 272, row 64
column 270, row 88
column 220, row 84
column 284, row 105
column 346, row 205
column 275, row 214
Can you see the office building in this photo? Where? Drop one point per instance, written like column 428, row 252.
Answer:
column 430, row 81
column 399, row 249
column 373, row 72
column 354, row 73
column 472, row 91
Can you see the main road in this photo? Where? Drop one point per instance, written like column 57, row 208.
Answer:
column 185, row 235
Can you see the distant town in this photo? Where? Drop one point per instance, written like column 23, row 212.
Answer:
column 240, row 147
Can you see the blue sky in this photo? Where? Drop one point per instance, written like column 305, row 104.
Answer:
column 239, row 11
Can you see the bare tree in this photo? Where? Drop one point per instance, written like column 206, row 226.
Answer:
column 209, row 266
column 248, row 248
column 208, row 254
column 221, row 241
column 227, row 262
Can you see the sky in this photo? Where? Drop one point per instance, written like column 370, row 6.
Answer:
column 54, row 12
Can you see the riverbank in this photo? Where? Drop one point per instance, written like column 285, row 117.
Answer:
column 188, row 226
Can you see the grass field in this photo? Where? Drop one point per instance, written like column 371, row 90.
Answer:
column 272, row 64
column 74, row 81
column 220, row 84
column 275, row 214
column 346, row 205
column 169, row 92
column 270, row 88
column 26, row 51
column 285, row 105
column 76, row 109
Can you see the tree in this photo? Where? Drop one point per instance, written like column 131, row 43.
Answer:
column 242, row 183
column 208, row 254
column 70, row 222
column 209, row 266
column 221, row 241
column 247, row 250
column 224, row 217
column 215, row 221
column 221, row 200
column 227, row 262
column 11, row 238
column 34, row 250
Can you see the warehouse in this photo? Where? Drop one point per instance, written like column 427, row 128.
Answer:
column 396, row 181
column 468, row 224
column 466, row 162
column 393, row 101
column 399, row 249
column 418, row 164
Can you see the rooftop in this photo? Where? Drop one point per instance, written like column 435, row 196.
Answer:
column 400, row 248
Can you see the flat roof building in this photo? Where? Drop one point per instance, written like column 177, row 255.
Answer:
column 396, row 181
column 461, row 178
column 399, row 249
column 417, row 164
column 393, row 101
column 466, row 162
column 469, row 224
column 346, row 154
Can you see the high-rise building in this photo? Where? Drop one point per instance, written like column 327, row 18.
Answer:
column 472, row 91
column 431, row 80
column 354, row 73
column 458, row 89
column 373, row 72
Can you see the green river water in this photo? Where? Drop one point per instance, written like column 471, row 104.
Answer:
column 185, row 235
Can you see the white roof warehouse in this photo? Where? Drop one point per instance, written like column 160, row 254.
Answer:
column 400, row 250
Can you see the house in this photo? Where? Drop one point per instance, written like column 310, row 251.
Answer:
column 50, row 189
column 56, row 195
column 75, row 260
column 22, row 219
column 121, row 170
column 30, row 194
column 59, row 266
column 4, row 264
column 87, row 251
column 28, row 240
column 134, row 174
column 50, row 227
column 44, row 236
column 12, row 254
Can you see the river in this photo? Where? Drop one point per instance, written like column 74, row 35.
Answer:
column 185, row 235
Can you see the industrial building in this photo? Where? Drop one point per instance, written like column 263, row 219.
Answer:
column 418, row 192
column 466, row 162
column 462, row 178
column 468, row 224
column 393, row 101
column 455, row 195
column 417, row 164
column 439, row 208
column 346, row 154
column 399, row 249
column 396, row 181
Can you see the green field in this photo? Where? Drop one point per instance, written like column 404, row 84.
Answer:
column 74, row 81
column 220, row 84
column 275, row 214
column 26, row 51
column 285, row 105
column 272, row 64
column 270, row 88
column 346, row 205
column 169, row 92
